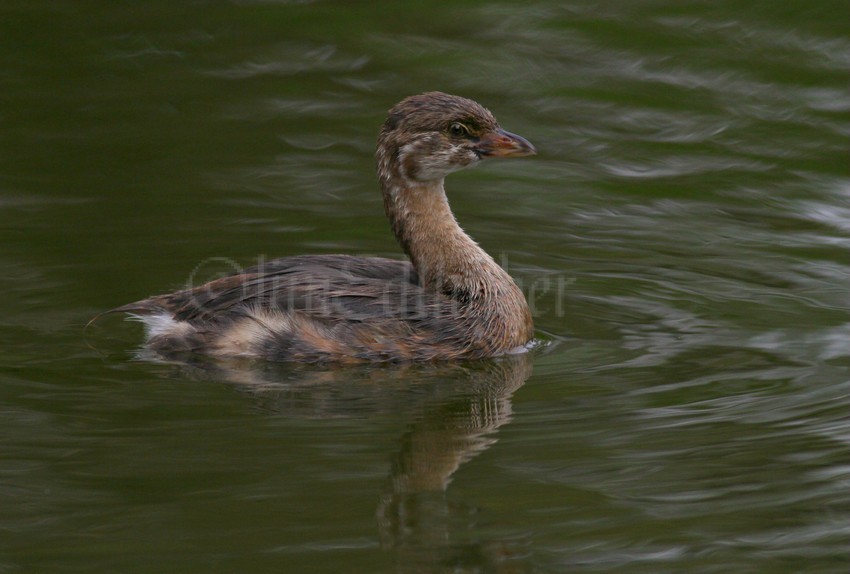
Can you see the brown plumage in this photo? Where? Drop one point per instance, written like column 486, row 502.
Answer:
column 450, row 301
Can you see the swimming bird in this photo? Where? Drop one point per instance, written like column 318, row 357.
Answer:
column 450, row 300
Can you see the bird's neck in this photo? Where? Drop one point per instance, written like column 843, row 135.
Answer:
column 445, row 257
column 448, row 261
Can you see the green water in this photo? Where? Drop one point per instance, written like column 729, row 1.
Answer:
column 683, row 237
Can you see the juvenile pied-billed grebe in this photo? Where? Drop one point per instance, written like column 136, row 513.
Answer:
column 450, row 301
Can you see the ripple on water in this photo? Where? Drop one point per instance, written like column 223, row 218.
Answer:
column 291, row 58
column 683, row 234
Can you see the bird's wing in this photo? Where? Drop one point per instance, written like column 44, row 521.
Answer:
column 332, row 287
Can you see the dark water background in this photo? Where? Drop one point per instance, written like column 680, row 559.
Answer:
column 683, row 236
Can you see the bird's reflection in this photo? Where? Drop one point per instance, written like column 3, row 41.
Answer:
column 414, row 515
column 453, row 412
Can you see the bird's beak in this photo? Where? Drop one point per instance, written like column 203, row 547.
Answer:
column 500, row 143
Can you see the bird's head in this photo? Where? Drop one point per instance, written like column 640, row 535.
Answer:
column 431, row 135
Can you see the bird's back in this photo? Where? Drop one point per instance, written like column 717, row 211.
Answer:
column 311, row 308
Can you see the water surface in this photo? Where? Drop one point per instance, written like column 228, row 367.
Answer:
column 683, row 237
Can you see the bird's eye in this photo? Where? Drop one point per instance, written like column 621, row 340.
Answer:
column 457, row 129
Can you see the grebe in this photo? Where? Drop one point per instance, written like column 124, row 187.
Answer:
column 451, row 301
